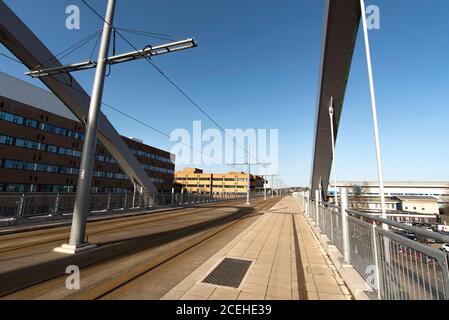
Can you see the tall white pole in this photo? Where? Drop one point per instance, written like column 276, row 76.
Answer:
column 83, row 193
column 331, row 114
column 374, row 110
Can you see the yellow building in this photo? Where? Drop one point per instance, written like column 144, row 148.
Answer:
column 194, row 180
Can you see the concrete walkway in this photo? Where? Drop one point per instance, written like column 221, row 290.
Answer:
column 288, row 263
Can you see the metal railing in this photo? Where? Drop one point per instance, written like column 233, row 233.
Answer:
column 394, row 266
column 18, row 207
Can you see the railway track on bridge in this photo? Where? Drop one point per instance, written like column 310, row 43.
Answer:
column 9, row 242
column 103, row 276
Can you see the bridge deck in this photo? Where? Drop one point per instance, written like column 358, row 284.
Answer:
column 288, row 263
column 167, row 255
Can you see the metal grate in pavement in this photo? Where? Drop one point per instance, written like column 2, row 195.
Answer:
column 229, row 273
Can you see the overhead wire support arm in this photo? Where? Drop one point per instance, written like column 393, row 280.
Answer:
column 145, row 53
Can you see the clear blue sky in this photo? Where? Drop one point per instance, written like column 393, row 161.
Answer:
column 257, row 67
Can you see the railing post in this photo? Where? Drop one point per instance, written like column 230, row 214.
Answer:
column 317, row 207
column 151, row 200
column 141, row 200
column 331, row 211
column 125, row 201
column 307, row 206
column 108, row 207
column 376, row 262
column 21, row 208
column 344, row 224
column 57, row 204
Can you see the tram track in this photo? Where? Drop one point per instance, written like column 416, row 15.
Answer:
column 95, row 227
column 145, row 254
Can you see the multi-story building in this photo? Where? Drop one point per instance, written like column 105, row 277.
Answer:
column 439, row 190
column 419, row 204
column 196, row 181
column 41, row 143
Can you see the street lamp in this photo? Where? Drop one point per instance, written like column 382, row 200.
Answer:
column 331, row 115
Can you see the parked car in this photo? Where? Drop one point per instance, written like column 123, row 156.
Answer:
column 409, row 235
column 442, row 228
column 445, row 247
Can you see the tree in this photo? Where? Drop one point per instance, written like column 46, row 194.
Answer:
column 357, row 191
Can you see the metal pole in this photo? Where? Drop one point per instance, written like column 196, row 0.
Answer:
column 83, row 194
column 249, row 178
column 344, row 224
column 376, row 262
column 265, row 185
column 331, row 114
column 317, row 207
column 307, row 206
column 134, row 196
column 374, row 111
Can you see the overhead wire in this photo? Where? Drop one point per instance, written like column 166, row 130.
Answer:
column 155, row 66
column 124, row 114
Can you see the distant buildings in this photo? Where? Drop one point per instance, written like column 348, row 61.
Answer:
column 430, row 189
column 396, row 190
column 410, row 204
column 41, row 143
column 370, row 203
column 194, row 180
column 419, row 204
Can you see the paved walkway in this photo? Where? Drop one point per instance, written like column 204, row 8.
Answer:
column 288, row 263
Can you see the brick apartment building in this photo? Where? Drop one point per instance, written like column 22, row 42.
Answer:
column 41, row 143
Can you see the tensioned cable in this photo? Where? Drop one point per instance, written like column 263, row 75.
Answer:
column 127, row 115
column 95, row 46
column 69, row 50
column 169, row 80
column 11, row 58
column 149, row 34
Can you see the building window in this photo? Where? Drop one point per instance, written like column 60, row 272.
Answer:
column 52, row 148
column 6, row 140
column 31, row 123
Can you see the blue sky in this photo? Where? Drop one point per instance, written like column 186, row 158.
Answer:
column 257, row 67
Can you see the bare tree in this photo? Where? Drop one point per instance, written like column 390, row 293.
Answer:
column 357, row 191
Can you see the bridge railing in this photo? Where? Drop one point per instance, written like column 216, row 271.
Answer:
column 385, row 253
column 22, row 207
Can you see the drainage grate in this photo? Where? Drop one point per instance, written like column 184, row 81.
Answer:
column 229, row 273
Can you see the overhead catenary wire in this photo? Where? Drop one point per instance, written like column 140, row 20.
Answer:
column 126, row 115
column 164, row 75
